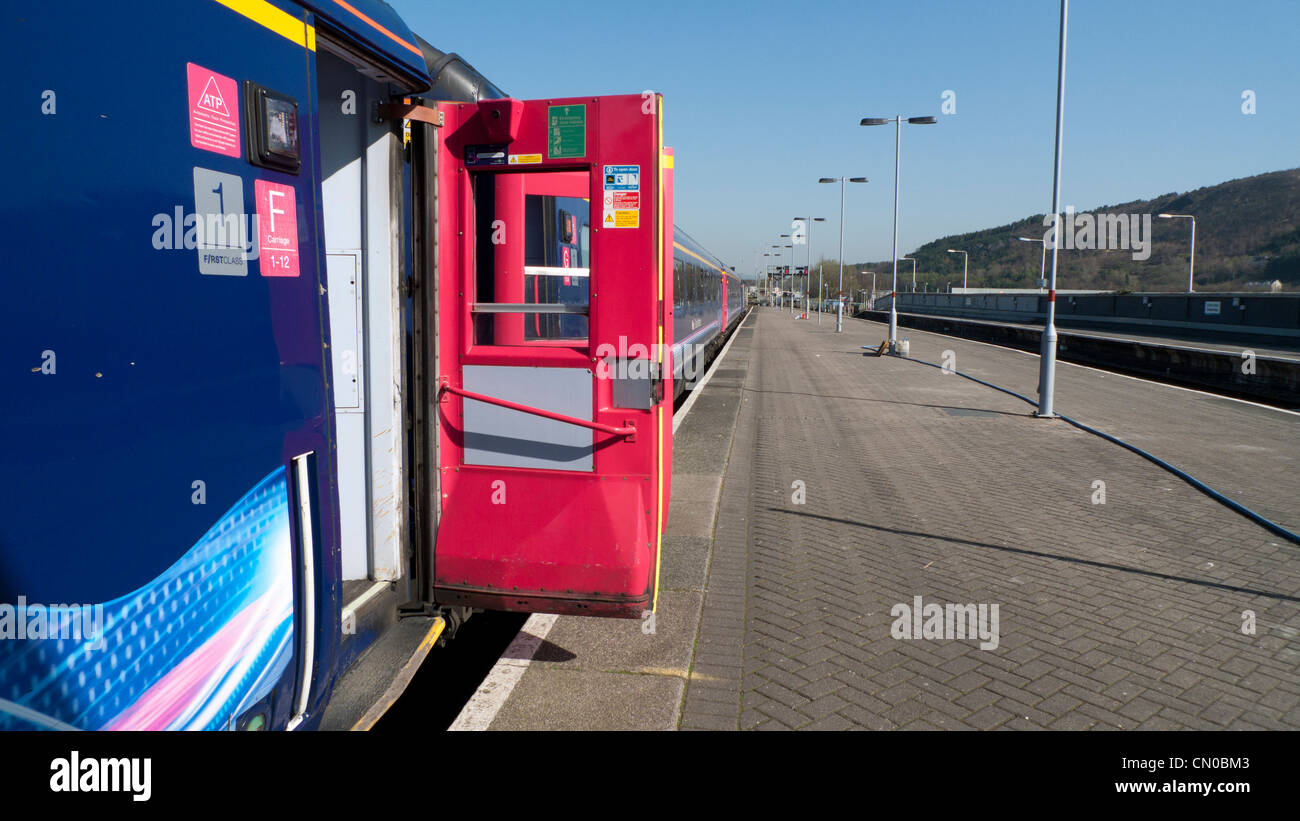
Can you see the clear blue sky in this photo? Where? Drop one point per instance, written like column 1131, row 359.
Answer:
column 762, row 98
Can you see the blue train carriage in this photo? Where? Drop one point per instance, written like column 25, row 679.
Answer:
column 557, row 263
column 205, row 365
column 216, row 460
column 707, row 302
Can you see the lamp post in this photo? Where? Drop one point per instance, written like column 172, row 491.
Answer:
column 913, row 261
column 767, row 272
column 1042, row 263
column 780, row 278
column 808, row 271
column 965, row 259
column 898, row 145
column 839, row 307
column 793, row 275
column 1191, row 261
column 1047, row 359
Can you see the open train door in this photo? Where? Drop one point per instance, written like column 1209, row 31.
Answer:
column 552, row 395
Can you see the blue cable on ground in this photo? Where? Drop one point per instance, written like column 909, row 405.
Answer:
column 1236, row 507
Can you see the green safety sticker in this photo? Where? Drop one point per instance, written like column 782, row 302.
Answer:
column 566, row 131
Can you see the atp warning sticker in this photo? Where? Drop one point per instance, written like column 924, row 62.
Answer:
column 214, row 111
column 622, row 203
column 277, row 228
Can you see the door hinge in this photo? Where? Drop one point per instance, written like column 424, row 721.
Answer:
column 409, row 111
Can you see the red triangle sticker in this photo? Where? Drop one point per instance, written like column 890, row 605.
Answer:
column 211, row 98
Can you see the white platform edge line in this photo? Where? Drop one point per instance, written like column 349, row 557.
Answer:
column 699, row 386
column 482, row 708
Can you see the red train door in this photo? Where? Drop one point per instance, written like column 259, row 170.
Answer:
column 551, row 404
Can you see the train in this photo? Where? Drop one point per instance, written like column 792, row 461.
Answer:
column 316, row 344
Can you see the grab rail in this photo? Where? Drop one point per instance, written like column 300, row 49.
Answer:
column 444, row 386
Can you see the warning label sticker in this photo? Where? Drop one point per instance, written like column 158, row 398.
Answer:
column 214, row 111
column 277, row 228
column 622, row 178
column 622, row 201
column 525, row 159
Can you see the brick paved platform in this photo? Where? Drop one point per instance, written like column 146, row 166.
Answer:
column 1121, row 615
column 777, row 614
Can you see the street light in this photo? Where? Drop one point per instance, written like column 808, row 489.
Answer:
column 780, row 277
column 793, row 274
column 839, row 306
column 767, row 272
column 913, row 260
column 1042, row 262
column 808, row 272
column 965, row 258
column 1191, row 261
column 1047, row 357
column 898, row 148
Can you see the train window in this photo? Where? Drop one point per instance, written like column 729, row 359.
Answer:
column 568, row 226
column 273, row 130
column 545, row 264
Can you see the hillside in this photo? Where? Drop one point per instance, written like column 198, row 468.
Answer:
column 1247, row 230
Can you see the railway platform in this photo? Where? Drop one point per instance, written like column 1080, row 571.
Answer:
column 836, row 517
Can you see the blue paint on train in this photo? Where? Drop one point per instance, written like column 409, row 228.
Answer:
column 700, row 281
column 153, row 411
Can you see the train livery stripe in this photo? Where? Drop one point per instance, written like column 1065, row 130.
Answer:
column 664, row 164
column 381, row 29
column 686, row 250
column 277, row 20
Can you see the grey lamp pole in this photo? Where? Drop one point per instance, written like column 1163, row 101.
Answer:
column 1042, row 263
column 913, row 261
column 898, row 143
column 1191, row 261
column 839, row 307
column 767, row 273
column 792, row 272
column 1047, row 360
column 965, row 259
column 780, row 278
column 808, row 271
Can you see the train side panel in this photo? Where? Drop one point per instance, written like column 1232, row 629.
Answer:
column 163, row 377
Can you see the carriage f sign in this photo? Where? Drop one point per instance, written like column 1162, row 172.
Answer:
column 277, row 228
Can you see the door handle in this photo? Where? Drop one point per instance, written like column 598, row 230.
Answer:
column 445, row 386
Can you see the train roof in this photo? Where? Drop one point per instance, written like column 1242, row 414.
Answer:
column 372, row 28
column 685, row 242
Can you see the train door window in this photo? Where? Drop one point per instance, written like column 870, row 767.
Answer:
column 533, row 247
